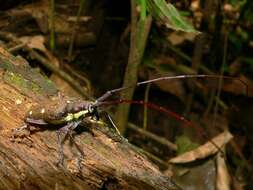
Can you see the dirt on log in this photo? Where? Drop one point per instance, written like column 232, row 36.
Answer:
column 30, row 162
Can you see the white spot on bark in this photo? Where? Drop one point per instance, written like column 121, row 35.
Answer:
column 18, row 101
column 42, row 110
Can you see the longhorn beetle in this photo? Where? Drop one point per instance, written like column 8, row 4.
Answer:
column 70, row 113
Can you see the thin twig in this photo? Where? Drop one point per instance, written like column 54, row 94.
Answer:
column 79, row 76
column 196, row 63
column 51, row 25
column 221, row 79
column 17, row 47
column 152, row 136
column 151, row 156
column 145, row 112
column 73, row 35
column 188, row 59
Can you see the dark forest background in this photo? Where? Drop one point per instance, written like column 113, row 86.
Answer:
column 87, row 47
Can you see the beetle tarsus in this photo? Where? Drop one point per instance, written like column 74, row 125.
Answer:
column 21, row 131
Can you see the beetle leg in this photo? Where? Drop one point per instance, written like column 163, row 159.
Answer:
column 75, row 124
column 25, row 126
column 78, row 148
column 112, row 122
column 61, row 136
column 22, row 131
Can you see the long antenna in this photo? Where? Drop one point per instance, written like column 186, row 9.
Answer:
column 111, row 92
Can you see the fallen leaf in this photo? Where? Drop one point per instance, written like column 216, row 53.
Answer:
column 34, row 42
column 197, row 176
column 177, row 38
column 235, row 87
column 38, row 43
column 205, row 150
column 223, row 179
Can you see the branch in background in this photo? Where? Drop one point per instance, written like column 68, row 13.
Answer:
column 224, row 60
column 139, row 33
column 201, row 40
column 73, row 35
column 45, row 62
column 187, row 58
column 78, row 76
column 52, row 25
column 145, row 112
column 152, row 157
column 160, row 140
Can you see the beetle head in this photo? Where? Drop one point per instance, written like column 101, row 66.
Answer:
column 92, row 109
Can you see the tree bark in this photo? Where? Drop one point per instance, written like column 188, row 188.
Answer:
column 110, row 162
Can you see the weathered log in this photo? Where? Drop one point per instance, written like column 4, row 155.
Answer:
column 30, row 162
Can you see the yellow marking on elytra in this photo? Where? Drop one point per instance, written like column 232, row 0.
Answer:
column 75, row 116
column 30, row 112
column 80, row 113
column 69, row 117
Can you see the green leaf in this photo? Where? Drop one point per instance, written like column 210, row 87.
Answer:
column 184, row 144
column 168, row 15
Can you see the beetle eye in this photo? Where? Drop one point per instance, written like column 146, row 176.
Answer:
column 90, row 108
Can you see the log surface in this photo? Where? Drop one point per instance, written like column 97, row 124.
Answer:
column 29, row 162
